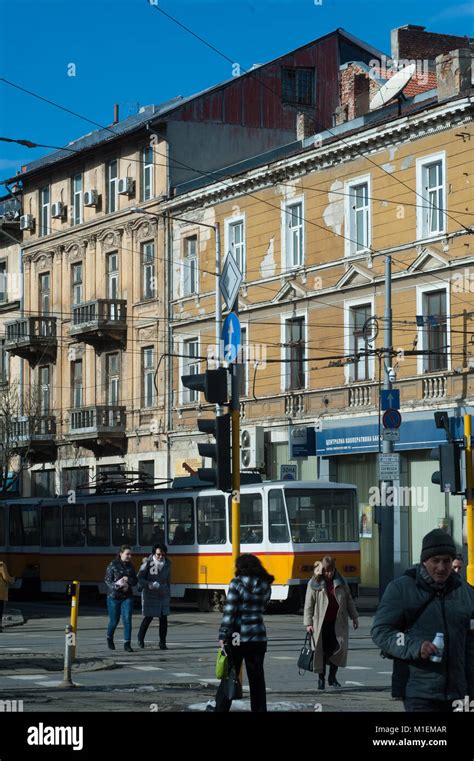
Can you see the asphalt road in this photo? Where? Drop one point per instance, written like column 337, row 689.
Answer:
column 181, row 678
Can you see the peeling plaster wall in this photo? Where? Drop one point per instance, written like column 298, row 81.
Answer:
column 333, row 214
column 268, row 265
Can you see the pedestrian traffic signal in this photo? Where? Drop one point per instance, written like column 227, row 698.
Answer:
column 220, row 452
column 449, row 475
column 212, row 383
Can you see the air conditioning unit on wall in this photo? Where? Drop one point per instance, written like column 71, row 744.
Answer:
column 91, row 198
column 252, row 448
column 27, row 222
column 126, row 186
column 58, row 210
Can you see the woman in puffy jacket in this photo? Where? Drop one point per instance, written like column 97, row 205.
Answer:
column 120, row 579
column 242, row 632
column 154, row 581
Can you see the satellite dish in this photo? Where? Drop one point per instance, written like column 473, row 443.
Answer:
column 392, row 87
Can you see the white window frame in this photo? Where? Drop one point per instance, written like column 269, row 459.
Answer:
column 285, row 351
column 285, row 219
column 75, row 387
column 77, row 285
column 229, row 223
column 148, row 264
column 45, row 211
column 3, row 280
column 422, row 342
column 111, row 379
column 350, row 245
column 76, row 200
column 148, row 370
column 147, row 168
column 185, row 393
column 112, row 186
column 186, row 268
column 44, row 390
column 422, row 212
column 348, row 336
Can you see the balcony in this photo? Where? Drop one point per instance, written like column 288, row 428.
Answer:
column 100, row 323
column 35, row 437
column 98, row 428
column 32, row 338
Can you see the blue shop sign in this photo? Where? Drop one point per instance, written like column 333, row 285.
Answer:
column 348, row 436
column 302, row 442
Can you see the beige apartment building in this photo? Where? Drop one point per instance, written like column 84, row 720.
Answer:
column 310, row 233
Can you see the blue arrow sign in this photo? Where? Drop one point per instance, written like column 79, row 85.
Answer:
column 231, row 337
column 391, row 419
column 390, row 399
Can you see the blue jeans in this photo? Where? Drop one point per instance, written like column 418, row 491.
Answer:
column 115, row 607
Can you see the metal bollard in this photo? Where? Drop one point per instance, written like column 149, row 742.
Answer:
column 68, row 657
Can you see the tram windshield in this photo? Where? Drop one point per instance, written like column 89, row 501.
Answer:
column 322, row 515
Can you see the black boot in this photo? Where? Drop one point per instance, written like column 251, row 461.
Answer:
column 321, row 682
column 143, row 630
column 127, row 647
column 110, row 643
column 163, row 632
column 332, row 681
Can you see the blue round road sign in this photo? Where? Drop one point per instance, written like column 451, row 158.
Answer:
column 231, row 337
column 391, row 419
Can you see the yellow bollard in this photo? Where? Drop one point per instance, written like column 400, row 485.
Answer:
column 73, row 590
column 469, row 500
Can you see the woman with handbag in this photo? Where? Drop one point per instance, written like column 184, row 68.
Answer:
column 120, row 577
column 242, row 632
column 328, row 606
column 154, row 581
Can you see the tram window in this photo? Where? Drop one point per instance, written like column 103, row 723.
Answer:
column 2, row 526
column 277, row 523
column 321, row 515
column 50, row 526
column 24, row 526
column 74, row 526
column 124, row 523
column 251, row 518
column 211, row 520
column 180, row 521
column 98, row 525
column 151, row 522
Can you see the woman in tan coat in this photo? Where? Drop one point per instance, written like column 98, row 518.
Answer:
column 5, row 580
column 327, row 608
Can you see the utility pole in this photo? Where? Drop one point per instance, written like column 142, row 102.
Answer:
column 386, row 514
column 235, row 415
column 469, row 500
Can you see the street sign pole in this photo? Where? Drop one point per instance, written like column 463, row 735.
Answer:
column 469, row 500
column 386, row 514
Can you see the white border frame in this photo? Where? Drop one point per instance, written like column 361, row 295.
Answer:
column 348, row 349
column 228, row 221
column 421, row 334
column 284, row 350
column 182, row 359
column 285, row 267
column 421, row 202
column 349, row 244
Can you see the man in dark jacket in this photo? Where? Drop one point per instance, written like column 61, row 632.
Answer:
column 430, row 598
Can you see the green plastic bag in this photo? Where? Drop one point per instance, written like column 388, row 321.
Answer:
column 222, row 665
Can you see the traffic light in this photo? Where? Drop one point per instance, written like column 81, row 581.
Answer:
column 212, row 383
column 449, row 474
column 220, row 452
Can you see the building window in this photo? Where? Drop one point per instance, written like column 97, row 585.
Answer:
column 112, row 370
column 295, row 348
column 431, row 180
column 44, row 293
column 112, row 177
column 148, row 468
column 45, row 389
column 358, row 319
column 4, row 355
column 71, row 478
column 190, row 367
column 76, row 199
column 148, row 375
column 3, row 281
column 76, row 272
column 190, row 276
column 235, row 241
column 293, row 224
column 435, row 330
column 147, row 174
column 113, row 283
column 357, row 221
column 44, row 211
column 297, row 86
column 43, row 483
column 76, row 383
column 148, row 271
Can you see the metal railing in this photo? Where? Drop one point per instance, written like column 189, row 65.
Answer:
column 98, row 419
column 30, row 329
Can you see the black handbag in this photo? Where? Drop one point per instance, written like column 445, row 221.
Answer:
column 232, row 685
column 306, row 657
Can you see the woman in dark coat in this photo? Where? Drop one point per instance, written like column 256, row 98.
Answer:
column 120, row 577
column 242, row 632
column 154, row 581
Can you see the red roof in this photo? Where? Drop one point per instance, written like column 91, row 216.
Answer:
column 420, row 82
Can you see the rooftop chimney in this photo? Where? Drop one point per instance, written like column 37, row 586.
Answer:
column 453, row 73
column 304, row 125
column 116, row 113
column 413, row 43
column 355, row 86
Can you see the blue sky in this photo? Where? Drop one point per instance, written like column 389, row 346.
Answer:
column 126, row 51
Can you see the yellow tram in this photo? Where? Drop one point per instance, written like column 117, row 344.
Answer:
column 48, row 542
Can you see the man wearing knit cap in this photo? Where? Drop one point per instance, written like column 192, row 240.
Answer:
column 429, row 599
